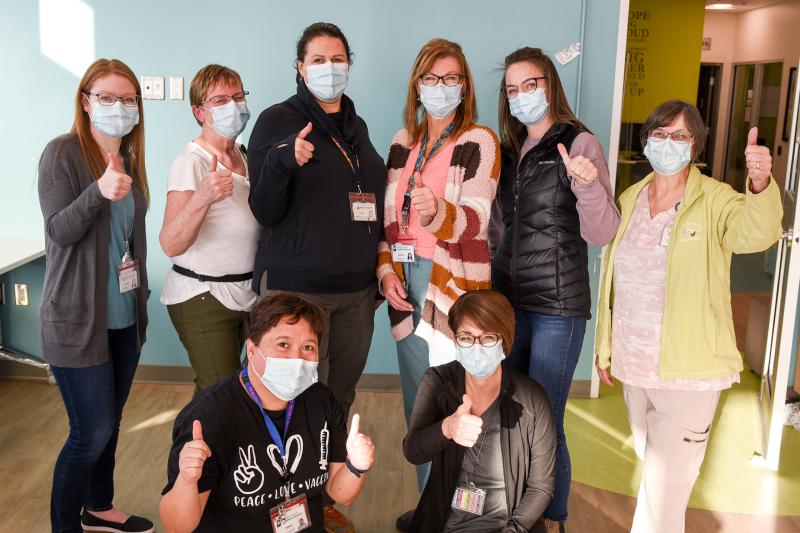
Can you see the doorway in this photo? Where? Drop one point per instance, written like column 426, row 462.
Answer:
column 708, row 89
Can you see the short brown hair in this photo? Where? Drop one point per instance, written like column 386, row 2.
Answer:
column 510, row 128
column 207, row 78
column 666, row 113
column 466, row 112
column 271, row 310
column 487, row 309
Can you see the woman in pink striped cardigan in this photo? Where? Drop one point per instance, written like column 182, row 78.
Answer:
column 443, row 171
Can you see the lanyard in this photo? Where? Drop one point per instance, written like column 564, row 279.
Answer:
column 355, row 166
column 273, row 431
column 421, row 160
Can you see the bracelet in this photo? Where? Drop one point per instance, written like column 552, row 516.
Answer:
column 355, row 471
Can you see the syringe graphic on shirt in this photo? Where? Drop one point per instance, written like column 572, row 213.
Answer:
column 324, row 435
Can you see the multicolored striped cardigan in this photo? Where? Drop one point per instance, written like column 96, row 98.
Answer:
column 461, row 259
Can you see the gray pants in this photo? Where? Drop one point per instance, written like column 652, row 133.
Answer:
column 344, row 347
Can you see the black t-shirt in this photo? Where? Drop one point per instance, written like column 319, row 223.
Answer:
column 243, row 472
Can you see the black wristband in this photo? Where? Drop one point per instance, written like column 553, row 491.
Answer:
column 356, row 472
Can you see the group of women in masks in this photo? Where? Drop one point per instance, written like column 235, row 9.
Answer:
column 285, row 248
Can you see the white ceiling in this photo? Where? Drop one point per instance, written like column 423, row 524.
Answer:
column 746, row 5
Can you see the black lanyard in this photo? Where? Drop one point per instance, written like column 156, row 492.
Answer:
column 421, row 160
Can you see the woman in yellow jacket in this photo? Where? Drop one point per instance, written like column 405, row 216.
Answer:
column 665, row 328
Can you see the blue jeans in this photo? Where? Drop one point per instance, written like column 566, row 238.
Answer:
column 94, row 397
column 547, row 348
column 412, row 351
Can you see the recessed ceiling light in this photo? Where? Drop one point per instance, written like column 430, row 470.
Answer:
column 719, row 7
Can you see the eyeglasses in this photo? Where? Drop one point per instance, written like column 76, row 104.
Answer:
column 465, row 340
column 128, row 100
column 527, row 86
column 679, row 136
column 224, row 99
column 451, row 80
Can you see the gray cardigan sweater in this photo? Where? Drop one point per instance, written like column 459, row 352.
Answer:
column 77, row 231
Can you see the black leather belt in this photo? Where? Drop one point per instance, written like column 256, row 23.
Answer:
column 226, row 278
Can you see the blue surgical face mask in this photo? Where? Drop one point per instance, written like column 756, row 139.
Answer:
column 114, row 120
column 230, row 119
column 480, row 361
column 666, row 156
column 327, row 81
column 529, row 108
column 287, row 378
column 440, row 100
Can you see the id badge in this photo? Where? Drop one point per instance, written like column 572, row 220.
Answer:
column 665, row 236
column 403, row 251
column 469, row 498
column 290, row 516
column 363, row 207
column 128, row 272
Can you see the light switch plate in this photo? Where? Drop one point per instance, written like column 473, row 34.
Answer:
column 176, row 87
column 21, row 294
column 153, row 87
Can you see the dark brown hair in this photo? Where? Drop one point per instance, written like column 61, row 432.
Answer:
column 132, row 144
column 487, row 309
column 271, row 310
column 666, row 113
column 207, row 78
column 510, row 128
column 320, row 29
column 466, row 112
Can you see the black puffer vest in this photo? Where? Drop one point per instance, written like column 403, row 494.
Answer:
column 541, row 264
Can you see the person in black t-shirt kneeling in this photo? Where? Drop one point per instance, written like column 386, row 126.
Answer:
column 255, row 451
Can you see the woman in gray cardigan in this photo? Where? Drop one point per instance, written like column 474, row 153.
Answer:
column 93, row 194
column 487, row 429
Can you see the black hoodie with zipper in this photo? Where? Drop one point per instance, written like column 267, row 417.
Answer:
column 309, row 242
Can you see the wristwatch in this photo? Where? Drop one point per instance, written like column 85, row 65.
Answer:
column 356, row 472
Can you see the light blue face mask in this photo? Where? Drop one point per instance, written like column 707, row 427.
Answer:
column 328, row 81
column 230, row 119
column 440, row 100
column 114, row 120
column 666, row 156
column 480, row 361
column 529, row 108
column 287, row 378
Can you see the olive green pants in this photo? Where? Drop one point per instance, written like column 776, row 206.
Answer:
column 213, row 336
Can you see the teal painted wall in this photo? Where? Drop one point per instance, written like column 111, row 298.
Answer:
column 257, row 38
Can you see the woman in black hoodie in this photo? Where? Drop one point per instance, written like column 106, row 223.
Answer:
column 317, row 188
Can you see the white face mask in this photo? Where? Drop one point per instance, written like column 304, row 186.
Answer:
column 114, row 120
column 440, row 100
column 230, row 119
column 529, row 108
column 287, row 378
column 480, row 361
column 327, row 81
column 668, row 157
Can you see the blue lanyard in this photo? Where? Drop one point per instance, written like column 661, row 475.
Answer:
column 273, row 431
column 421, row 160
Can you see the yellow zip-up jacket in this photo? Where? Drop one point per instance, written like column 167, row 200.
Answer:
column 712, row 223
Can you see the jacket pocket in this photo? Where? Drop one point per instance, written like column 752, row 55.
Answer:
column 298, row 239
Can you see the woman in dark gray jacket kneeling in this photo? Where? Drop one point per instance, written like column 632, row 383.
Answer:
column 487, row 429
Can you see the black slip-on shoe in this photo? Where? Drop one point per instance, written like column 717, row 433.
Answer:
column 134, row 524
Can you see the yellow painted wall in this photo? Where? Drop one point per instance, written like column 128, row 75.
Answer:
column 663, row 54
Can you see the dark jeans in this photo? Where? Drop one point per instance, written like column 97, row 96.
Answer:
column 547, row 348
column 94, row 397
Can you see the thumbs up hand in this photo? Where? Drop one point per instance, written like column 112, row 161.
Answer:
column 217, row 185
column 424, row 201
column 193, row 454
column 461, row 426
column 360, row 449
column 114, row 183
column 759, row 162
column 303, row 150
column 580, row 168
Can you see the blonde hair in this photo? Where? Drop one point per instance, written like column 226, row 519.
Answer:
column 207, row 78
column 466, row 112
column 132, row 144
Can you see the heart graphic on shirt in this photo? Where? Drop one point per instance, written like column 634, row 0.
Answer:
column 274, row 454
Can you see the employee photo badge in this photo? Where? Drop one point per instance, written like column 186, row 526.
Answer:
column 363, row 207
column 290, row 516
column 128, row 272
